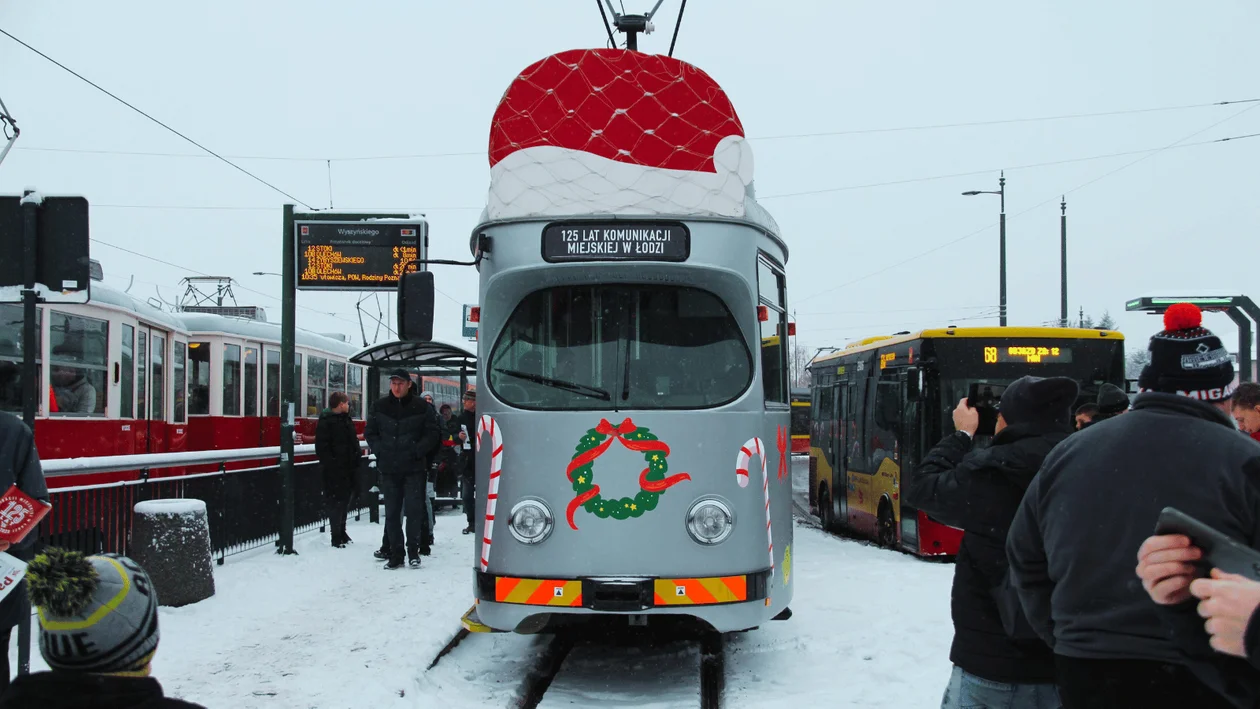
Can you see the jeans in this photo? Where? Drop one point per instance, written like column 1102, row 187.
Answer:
column 967, row 691
column 404, row 494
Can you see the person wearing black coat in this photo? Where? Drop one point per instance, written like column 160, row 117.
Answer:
column 1095, row 501
column 403, row 431
column 979, row 490
column 337, row 447
column 465, row 428
column 19, row 465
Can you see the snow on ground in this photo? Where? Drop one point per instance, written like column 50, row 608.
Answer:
column 329, row 628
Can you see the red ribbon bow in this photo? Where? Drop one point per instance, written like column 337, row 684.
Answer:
column 618, row 433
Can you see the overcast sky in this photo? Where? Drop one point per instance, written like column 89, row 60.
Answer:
column 309, row 81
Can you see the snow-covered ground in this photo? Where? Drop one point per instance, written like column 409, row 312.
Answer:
column 329, row 628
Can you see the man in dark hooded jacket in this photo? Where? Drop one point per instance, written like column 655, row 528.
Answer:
column 337, row 447
column 1096, row 500
column 979, row 491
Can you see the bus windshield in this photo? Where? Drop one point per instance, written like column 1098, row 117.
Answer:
column 620, row 347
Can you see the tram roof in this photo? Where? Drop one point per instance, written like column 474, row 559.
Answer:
column 1051, row 333
column 429, row 356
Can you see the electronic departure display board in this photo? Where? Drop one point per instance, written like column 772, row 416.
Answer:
column 357, row 255
column 616, row 241
column 1028, row 354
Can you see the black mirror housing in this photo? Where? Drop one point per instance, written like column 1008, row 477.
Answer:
column 415, row 306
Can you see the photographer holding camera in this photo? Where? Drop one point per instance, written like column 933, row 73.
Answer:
column 979, row 490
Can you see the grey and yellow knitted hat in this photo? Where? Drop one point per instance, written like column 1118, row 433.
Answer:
column 96, row 614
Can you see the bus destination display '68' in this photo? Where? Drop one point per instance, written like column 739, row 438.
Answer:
column 638, row 241
column 358, row 255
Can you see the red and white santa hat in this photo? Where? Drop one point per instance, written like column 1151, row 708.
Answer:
column 612, row 131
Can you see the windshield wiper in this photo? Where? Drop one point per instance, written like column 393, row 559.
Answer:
column 584, row 390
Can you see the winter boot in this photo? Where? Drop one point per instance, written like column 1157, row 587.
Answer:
column 382, row 554
column 394, row 564
column 414, row 562
column 468, row 530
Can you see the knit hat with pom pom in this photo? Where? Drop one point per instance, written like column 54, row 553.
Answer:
column 1187, row 359
column 96, row 614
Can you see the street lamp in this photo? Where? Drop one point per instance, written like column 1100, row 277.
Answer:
column 1000, row 192
column 267, row 273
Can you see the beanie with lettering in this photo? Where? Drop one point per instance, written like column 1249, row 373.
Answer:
column 1187, row 359
column 96, row 614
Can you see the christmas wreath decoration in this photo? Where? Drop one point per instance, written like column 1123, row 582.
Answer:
column 653, row 481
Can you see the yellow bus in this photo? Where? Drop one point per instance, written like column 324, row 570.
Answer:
column 881, row 403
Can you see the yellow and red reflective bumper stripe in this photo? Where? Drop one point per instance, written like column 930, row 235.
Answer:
column 537, row 592
column 697, row 592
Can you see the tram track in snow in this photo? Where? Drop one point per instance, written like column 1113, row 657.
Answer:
column 606, row 660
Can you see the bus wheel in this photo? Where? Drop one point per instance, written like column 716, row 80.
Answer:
column 824, row 509
column 887, row 532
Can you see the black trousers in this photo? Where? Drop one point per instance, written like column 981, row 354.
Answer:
column 468, row 495
column 404, row 496
column 337, row 504
column 1130, row 684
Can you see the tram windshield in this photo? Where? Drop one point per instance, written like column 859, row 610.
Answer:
column 620, row 347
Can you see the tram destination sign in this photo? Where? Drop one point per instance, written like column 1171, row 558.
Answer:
column 357, row 255
column 617, row 241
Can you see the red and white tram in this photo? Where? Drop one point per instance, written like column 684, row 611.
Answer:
column 119, row 376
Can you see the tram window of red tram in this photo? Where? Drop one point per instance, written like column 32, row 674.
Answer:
column 78, row 363
column 11, row 356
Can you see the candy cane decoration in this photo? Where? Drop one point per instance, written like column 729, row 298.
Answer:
column 488, row 425
column 751, row 447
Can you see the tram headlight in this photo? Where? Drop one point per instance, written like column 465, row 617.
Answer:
column 530, row 521
column 710, row 521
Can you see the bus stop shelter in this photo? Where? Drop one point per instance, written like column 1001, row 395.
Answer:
column 1239, row 308
column 424, row 358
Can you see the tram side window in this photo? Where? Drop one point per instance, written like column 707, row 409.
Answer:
column 251, row 381
column 336, row 377
column 272, row 384
column 316, row 381
column 78, row 364
column 231, row 380
column 157, row 410
column 199, row 378
column 855, row 405
column 128, row 365
column 180, row 382
column 11, row 355
column 354, row 388
column 774, row 341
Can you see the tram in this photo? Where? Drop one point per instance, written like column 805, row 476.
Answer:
column 120, row 376
column 633, row 432
column 880, row 404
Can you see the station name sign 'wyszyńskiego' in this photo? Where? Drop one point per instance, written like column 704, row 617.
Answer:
column 616, row 242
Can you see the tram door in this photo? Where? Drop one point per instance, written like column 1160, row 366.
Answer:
column 151, row 391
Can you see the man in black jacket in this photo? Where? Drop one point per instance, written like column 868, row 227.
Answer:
column 19, row 465
column 337, row 447
column 402, row 430
column 1097, row 498
column 979, row 491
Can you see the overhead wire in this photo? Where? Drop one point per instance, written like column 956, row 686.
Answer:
column 481, row 153
column 117, row 98
column 1026, row 211
column 677, row 25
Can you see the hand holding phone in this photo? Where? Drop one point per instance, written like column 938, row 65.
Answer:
column 1218, row 550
